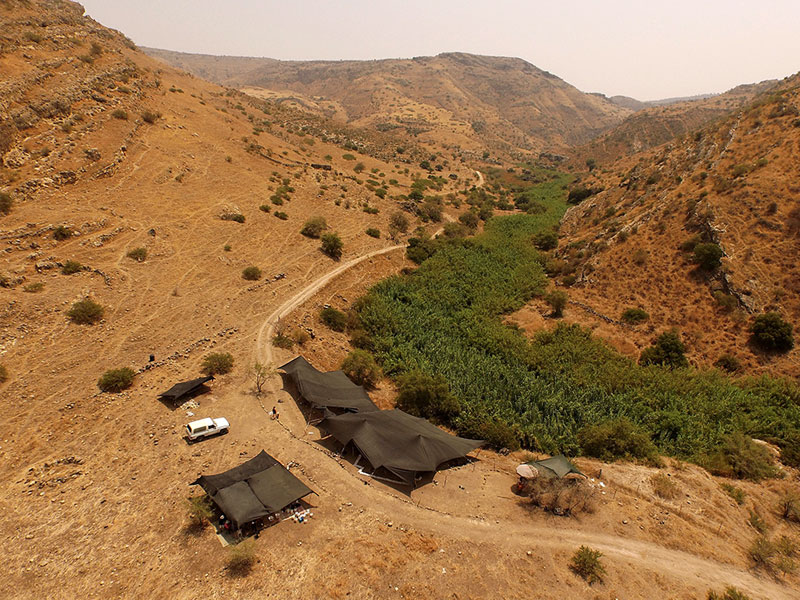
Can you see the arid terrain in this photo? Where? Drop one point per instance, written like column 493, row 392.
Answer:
column 105, row 150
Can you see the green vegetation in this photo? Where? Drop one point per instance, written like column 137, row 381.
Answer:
column 120, row 114
column 241, row 558
column 5, row 203
column 770, row 332
column 730, row 593
column 198, row 509
column 251, row 273
column 360, row 367
column 85, row 312
column 150, row 117
column 217, row 363
column 557, row 301
column 33, row 288
column 708, row 256
column 314, row 227
column 236, row 217
column 61, row 233
column 586, row 563
column 373, row 232
column 335, row 319
column 445, row 318
column 664, row 486
column 546, row 240
column 282, row 340
column 116, row 380
column 617, row 439
column 634, row 315
column 734, row 492
column 425, row 396
column 668, row 351
column 138, row 254
column 71, row 267
column 728, row 362
column 740, row 457
column 281, row 215
column 332, row 245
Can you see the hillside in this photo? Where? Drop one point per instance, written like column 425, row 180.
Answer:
column 453, row 99
column 154, row 193
column 658, row 122
column 728, row 183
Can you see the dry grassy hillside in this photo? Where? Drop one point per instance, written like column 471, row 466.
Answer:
column 656, row 123
column 733, row 183
column 455, row 98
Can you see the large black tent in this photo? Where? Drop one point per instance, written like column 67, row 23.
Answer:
column 254, row 489
column 179, row 390
column 327, row 390
column 398, row 442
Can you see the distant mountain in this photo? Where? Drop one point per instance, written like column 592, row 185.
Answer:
column 453, row 98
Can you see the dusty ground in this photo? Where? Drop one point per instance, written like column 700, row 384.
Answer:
column 94, row 485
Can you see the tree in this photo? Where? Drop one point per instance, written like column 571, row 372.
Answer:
column 116, row 380
column 260, row 374
column 251, row 273
column 424, row 396
column 708, row 256
column 335, row 319
column 399, row 222
column 546, row 240
column 332, row 245
column 470, row 219
column 770, row 332
column 668, row 350
column 198, row 509
column 314, row 227
column 217, row 363
column 557, row 301
column 361, row 368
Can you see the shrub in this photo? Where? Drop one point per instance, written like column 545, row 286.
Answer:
column 664, row 486
column 236, row 217
column 617, row 439
column 335, row 319
column 640, row 257
column 314, row 227
column 727, row 302
column 740, row 457
column 758, row 523
column 428, row 397
column 120, row 114
column 96, row 49
column 667, row 351
column 372, row 232
column 361, row 339
column 138, row 254
column 227, row 247
column 3, row 374
column 734, row 492
column 563, row 497
column 332, row 245
column 264, row 208
column 348, row 157
column 85, row 312
column 241, row 558
column 495, row 432
column 762, row 551
column 470, row 219
column 789, row 506
column 71, row 267
column 150, row 116
column 586, row 563
column 217, row 363
column 251, row 273
column 282, row 340
column 61, row 233
column 399, row 222
column 281, row 215
column 708, row 256
column 730, row 593
column 361, row 368
column 770, row 332
column 198, row 509
column 547, row 240
column 300, row 336
column 634, row 315
column 33, row 288
column 116, row 380
column 729, row 363
column 359, row 167
column 579, row 194
column 6, row 203
column 557, row 301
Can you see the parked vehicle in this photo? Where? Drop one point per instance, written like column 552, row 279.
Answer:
column 206, row 427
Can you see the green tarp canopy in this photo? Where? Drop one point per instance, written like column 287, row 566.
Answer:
column 398, row 442
column 179, row 390
column 327, row 390
column 555, row 467
column 254, row 489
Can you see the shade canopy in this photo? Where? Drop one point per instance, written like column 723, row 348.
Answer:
column 554, row 467
column 254, row 489
column 179, row 390
column 327, row 390
column 398, row 442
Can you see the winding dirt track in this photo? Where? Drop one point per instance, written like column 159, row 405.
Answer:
column 518, row 536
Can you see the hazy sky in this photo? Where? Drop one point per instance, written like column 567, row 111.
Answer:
column 647, row 49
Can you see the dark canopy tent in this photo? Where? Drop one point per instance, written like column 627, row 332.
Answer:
column 327, row 390
column 554, row 467
column 398, row 442
column 179, row 390
column 254, row 489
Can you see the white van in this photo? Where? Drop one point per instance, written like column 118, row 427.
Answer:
column 206, row 427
